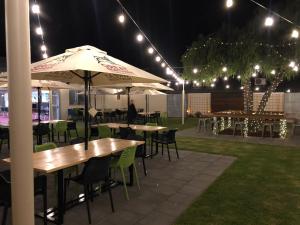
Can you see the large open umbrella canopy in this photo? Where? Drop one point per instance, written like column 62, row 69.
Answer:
column 89, row 66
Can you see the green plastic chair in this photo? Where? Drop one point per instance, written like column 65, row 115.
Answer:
column 125, row 160
column 104, row 132
column 44, row 147
column 61, row 127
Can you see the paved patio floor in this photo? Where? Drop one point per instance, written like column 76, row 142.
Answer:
column 166, row 192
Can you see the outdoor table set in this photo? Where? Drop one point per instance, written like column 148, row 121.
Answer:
column 58, row 159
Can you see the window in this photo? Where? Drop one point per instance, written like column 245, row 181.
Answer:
column 76, row 97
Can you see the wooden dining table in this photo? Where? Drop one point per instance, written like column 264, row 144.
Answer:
column 58, row 159
column 143, row 128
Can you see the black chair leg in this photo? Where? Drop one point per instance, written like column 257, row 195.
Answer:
column 151, row 152
column 45, row 202
column 168, row 152
column 65, row 195
column 86, row 198
column 5, row 210
column 110, row 198
column 176, row 150
column 144, row 166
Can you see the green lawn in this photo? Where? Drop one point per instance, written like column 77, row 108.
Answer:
column 261, row 187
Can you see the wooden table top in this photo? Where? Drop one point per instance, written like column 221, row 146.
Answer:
column 132, row 126
column 146, row 113
column 60, row 158
column 35, row 123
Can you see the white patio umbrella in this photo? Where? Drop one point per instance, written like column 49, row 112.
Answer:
column 89, row 66
column 146, row 87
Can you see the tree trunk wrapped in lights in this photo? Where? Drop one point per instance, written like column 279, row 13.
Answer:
column 248, row 97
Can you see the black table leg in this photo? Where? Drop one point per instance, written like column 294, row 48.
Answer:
column 60, row 197
column 52, row 131
column 156, row 134
column 131, row 175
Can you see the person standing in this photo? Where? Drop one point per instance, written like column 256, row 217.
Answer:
column 132, row 113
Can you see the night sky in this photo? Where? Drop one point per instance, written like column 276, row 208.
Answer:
column 171, row 25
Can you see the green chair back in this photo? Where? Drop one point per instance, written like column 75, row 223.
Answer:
column 151, row 124
column 61, row 126
column 103, row 131
column 164, row 118
column 44, row 147
column 127, row 157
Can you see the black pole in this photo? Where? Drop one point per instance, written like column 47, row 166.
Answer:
column 95, row 99
column 128, row 103
column 87, row 76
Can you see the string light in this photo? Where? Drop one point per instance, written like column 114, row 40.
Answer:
column 203, row 81
column 187, row 82
column 212, row 85
column 35, row 8
column 157, row 58
column 39, row 31
column 227, row 86
column 273, row 72
column 229, row 3
column 195, row 70
column 292, row 64
column 44, row 48
column 176, row 83
column 242, row 88
column 239, row 77
column 257, row 89
column 254, row 74
column 224, row 69
column 45, row 55
column 225, row 78
column 257, row 67
column 163, row 65
column 288, row 91
column 139, row 37
column 295, row 34
column 269, row 21
column 150, row 50
column 215, row 79
column 121, row 18
column 296, row 68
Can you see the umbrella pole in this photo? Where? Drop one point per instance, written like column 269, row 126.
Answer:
column 39, row 138
column 87, row 75
column 128, row 102
column 95, row 101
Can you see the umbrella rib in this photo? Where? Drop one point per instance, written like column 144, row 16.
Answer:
column 95, row 74
column 76, row 74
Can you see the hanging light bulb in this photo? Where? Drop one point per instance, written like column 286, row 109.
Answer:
column 203, row 81
column 163, row 65
column 176, row 83
column 39, row 31
column 195, row 70
column 242, row 88
column 224, row 69
column 187, row 82
column 257, row 67
column 35, row 8
column 150, row 50
column 157, row 58
column 296, row 68
column 139, row 37
column 257, row 89
column 292, row 64
column 212, row 85
column 43, row 48
column 215, row 79
column 295, row 34
column 273, row 72
column 121, row 18
column 197, row 84
column 225, row 78
column 168, row 84
column 239, row 77
column 227, row 86
column 269, row 21
column 45, row 56
column 229, row 3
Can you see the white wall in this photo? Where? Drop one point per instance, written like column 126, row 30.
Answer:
column 292, row 105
